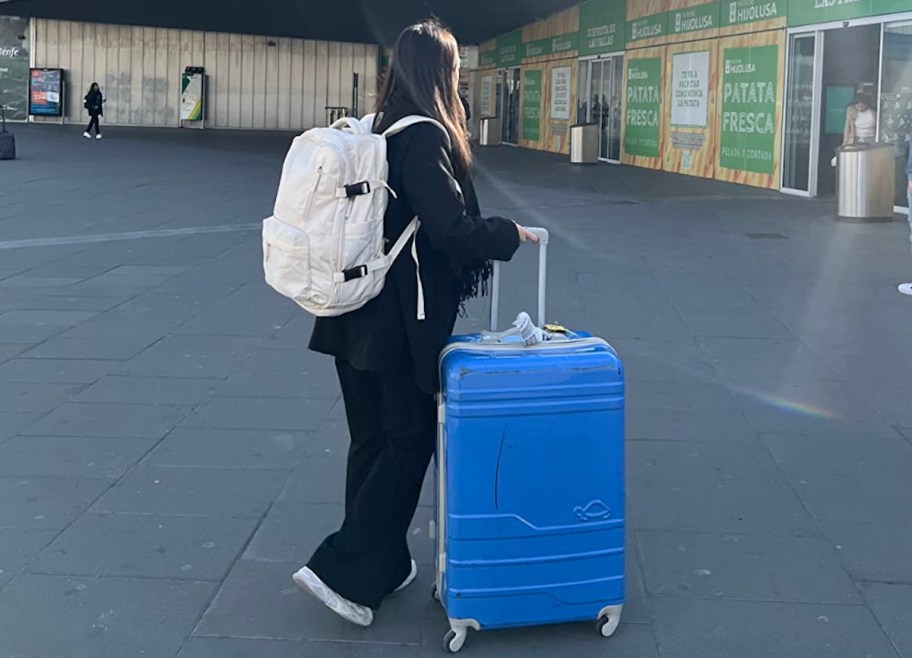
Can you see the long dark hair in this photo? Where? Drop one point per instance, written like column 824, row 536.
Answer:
column 94, row 87
column 425, row 72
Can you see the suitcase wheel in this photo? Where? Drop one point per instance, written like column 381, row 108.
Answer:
column 435, row 592
column 454, row 640
column 609, row 620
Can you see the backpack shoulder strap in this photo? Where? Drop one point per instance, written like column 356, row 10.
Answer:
column 413, row 120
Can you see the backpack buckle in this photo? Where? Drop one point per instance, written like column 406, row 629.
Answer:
column 357, row 189
column 358, row 272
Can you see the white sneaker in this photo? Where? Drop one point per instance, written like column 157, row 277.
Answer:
column 311, row 583
column 87, row 135
column 409, row 579
column 906, row 288
column 98, row 136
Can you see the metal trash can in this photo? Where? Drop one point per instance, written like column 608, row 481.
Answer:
column 865, row 182
column 489, row 131
column 584, row 143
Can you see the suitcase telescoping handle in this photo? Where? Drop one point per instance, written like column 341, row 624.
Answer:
column 543, row 238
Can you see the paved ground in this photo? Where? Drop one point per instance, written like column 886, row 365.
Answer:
column 170, row 453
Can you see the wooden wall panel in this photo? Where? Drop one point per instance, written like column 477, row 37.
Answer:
column 641, row 9
column 767, row 180
column 746, row 16
column 252, row 85
column 639, row 160
column 555, row 133
column 687, row 149
column 691, row 13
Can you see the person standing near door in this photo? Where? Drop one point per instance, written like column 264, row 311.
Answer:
column 906, row 288
column 94, row 105
column 861, row 122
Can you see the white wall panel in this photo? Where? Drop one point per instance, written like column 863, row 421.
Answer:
column 252, row 85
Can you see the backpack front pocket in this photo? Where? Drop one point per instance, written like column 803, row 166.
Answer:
column 286, row 260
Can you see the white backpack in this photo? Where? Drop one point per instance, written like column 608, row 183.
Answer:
column 323, row 247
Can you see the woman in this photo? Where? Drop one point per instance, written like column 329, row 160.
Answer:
column 861, row 121
column 94, row 104
column 386, row 358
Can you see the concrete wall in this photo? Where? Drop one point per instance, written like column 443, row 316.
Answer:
column 252, row 85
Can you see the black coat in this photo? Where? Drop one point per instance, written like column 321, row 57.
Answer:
column 94, row 103
column 386, row 335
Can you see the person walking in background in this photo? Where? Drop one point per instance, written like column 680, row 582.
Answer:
column 906, row 288
column 94, row 105
column 386, row 357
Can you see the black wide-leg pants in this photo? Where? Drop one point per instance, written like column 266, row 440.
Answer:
column 393, row 432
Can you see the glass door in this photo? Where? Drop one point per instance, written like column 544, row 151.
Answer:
column 802, row 115
column 511, row 100
column 612, row 78
column 895, row 123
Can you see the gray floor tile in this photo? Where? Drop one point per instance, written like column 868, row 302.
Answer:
column 121, row 421
column 35, row 397
column 818, row 408
column 260, row 414
column 674, row 463
column 33, row 318
column 331, row 441
column 46, row 503
column 691, row 396
column 19, row 547
column 212, row 357
column 292, row 532
column 872, row 551
column 148, row 390
column 11, row 422
column 820, row 467
column 719, row 506
column 214, row 647
column 180, row 548
column 892, row 605
column 744, row 567
column 64, row 302
column 733, row 323
column 50, row 456
column 245, row 449
column 89, row 617
column 722, row 425
column 15, row 333
column 631, row 640
column 721, row 629
column 259, row 599
column 112, row 348
column 54, row 371
column 763, row 363
column 316, row 481
column 11, row 350
column 194, row 492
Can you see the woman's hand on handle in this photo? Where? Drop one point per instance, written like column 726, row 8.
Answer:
column 526, row 235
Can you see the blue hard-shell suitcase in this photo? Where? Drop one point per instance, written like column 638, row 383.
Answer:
column 530, row 481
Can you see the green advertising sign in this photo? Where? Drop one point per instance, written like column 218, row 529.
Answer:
column 694, row 19
column 509, row 49
column 741, row 12
column 749, row 88
column 532, row 102
column 807, row 12
column 644, row 93
column 551, row 46
column 602, row 27
column 487, row 59
column 648, row 27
